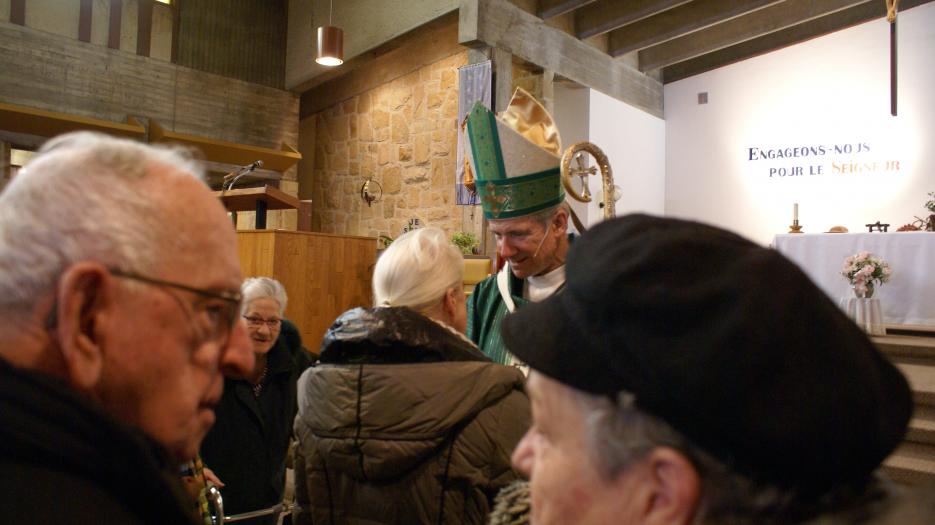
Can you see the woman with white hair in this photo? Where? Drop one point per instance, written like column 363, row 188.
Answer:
column 246, row 447
column 405, row 420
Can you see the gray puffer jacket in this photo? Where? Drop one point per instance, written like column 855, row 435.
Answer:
column 404, row 421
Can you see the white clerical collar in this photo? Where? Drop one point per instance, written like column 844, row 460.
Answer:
column 537, row 288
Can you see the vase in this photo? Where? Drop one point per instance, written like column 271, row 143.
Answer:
column 868, row 291
column 930, row 223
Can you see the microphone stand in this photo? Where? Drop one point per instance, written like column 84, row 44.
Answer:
column 233, row 177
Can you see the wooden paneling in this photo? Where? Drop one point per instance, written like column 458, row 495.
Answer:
column 18, row 12
column 550, row 8
column 836, row 21
column 144, row 27
column 84, row 21
column 324, row 275
column 229, row 152
column 255, row 249
column 51, row 72
column 607, row 15
column 746, row 27
column 113, row 34
column 244, row 39
column 679, row 21
column 43, row 123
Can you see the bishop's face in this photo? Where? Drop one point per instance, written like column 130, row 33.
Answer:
column 529, row 245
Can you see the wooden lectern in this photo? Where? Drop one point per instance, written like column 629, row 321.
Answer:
column 324, row 274
column 259, row 200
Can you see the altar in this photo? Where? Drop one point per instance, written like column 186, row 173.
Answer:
column 909, row 296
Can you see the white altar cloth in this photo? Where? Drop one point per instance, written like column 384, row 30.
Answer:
column 909, row 296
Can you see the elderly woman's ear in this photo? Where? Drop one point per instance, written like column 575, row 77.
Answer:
column 449, row 303
column 454, row 307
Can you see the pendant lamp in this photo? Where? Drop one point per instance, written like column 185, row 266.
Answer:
column 330, row 43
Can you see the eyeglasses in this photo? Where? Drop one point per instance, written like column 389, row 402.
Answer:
column 218, row 317
column 256, row 322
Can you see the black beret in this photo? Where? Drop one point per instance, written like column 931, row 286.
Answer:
column 727, row 341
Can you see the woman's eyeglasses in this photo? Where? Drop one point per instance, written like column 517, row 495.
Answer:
column 256, row 322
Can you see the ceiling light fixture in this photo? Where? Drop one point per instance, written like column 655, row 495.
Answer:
column 330, row 43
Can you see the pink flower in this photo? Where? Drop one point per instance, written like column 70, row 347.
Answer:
column 863, row 269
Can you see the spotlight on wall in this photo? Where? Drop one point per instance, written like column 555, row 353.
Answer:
column 330, row 43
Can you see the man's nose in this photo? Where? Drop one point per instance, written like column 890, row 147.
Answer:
column 238, row 359
column 507, row 249
column 523, row 457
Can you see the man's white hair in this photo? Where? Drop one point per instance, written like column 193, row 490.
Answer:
column 417, row 269
column 82, row 198
column 263, row 288
column 618, row 434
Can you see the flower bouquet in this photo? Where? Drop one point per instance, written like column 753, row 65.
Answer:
column 863, row 270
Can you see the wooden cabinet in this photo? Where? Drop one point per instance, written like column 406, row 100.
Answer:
column 324, row 274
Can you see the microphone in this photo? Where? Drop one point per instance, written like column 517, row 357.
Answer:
column 256, row 164
column 241, row 172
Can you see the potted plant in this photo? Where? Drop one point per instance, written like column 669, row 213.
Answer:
column 930, row 206
column 466, row 242
column 386, row 240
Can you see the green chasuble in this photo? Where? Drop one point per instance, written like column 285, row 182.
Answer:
column 485, row 310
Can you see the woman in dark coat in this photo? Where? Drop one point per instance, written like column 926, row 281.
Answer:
column 404, row 420
column 246, row 448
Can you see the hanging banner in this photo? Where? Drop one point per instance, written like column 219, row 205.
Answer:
column 475, row 83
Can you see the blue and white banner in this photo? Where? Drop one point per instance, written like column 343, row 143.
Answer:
column 475, row 83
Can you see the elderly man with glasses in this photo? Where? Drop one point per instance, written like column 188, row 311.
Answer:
column 119, row 316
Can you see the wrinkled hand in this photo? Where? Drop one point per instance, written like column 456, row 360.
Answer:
column 213, row 478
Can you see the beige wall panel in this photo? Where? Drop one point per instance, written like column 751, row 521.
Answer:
column 161, row 42
column 128, row 25
column 60, row 74
column 100, row 22
column 366, row 24
column 256, row 253
column 307, row 148
column 54, row 16
column 5, row 10
column 243, row 39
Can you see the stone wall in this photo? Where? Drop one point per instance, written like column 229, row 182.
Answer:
column 404, row 135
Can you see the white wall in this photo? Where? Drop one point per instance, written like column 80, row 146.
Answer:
column 635, row 143
column 827, row 92
column 633, row 140
column 570, row 111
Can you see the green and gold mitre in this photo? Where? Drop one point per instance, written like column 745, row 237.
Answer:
column 515, row 158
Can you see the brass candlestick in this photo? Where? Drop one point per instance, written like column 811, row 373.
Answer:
column 795, row 228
